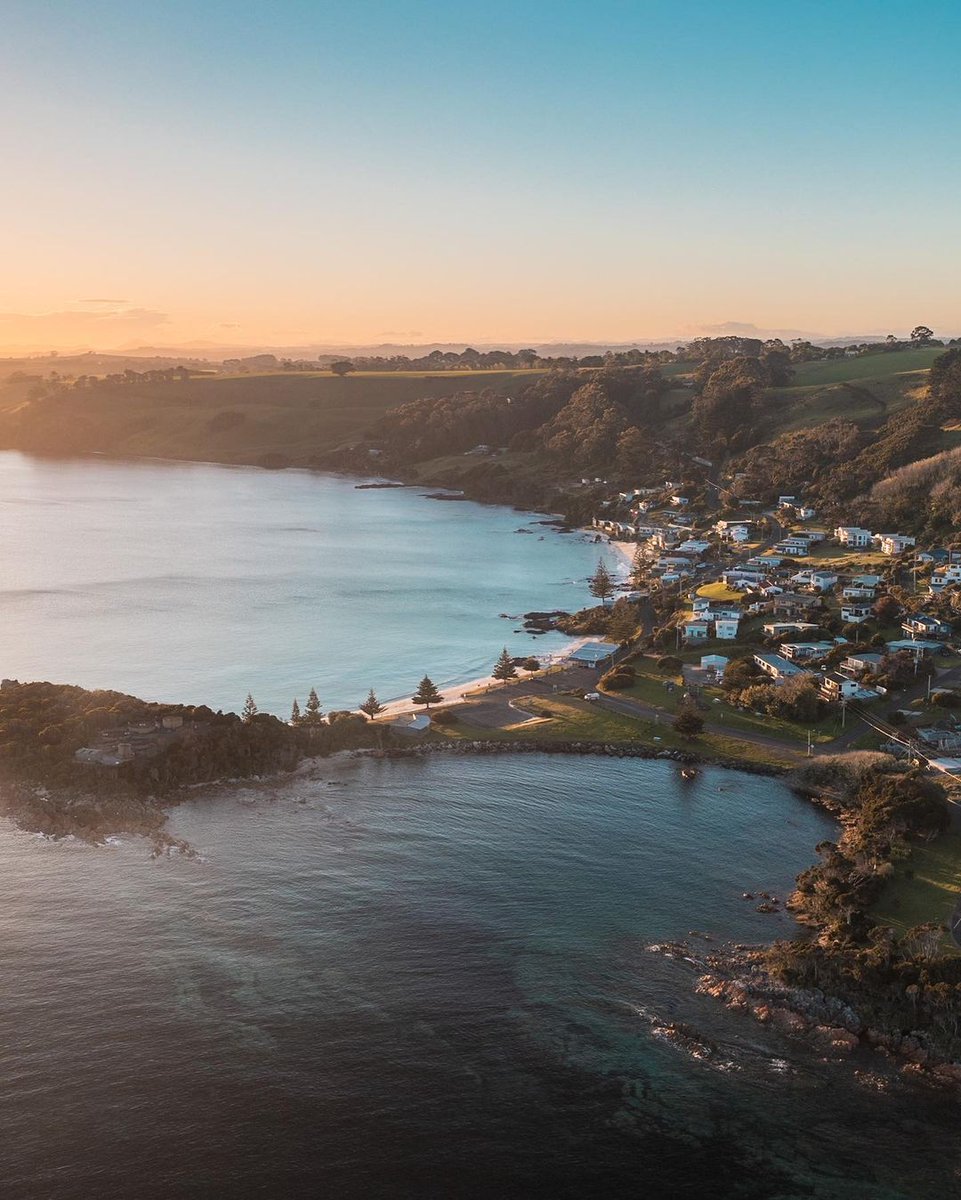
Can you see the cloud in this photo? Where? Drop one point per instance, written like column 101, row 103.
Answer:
column 405, row 333
column 112, row 303
column 76, row 328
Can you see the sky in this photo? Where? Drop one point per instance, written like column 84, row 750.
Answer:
column 302, row 172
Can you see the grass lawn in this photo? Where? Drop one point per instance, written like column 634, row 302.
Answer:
column 925, row 887
column 720, row 591
column 870, row 366
column 648, row 687
column 570, row 719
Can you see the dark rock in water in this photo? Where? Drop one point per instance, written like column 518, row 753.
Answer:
column 543, row 622
column 747, row 896
column 363, row 487
column 443, row 496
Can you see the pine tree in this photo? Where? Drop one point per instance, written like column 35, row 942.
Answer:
column 638, row 568
column 295, row 712
column 426, row 693
column 312, row 713
column 600, row 583
column 250, row 709
column 372, row 706
column 504, row 668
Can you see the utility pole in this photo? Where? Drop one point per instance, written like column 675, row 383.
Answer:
column 844, row 711
column 810, row 747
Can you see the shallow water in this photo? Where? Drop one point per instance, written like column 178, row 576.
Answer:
column 428, row 979
column 199, row 583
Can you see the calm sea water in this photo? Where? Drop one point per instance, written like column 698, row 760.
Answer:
column 427, row 979
column 198, row 583
column 386, row 979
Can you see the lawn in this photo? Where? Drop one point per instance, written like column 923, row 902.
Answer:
column 870, row 366
column 570, row 719
column 925, row 887
column 649, row 688
column 720, row 591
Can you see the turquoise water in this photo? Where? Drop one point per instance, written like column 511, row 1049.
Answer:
column 429, row 979
column 198, row 583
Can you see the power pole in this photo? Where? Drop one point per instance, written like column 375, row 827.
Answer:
column 844, row 711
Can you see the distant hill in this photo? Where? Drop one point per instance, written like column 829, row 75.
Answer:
column 271, row 418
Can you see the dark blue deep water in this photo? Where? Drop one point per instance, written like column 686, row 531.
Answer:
column 429, row 979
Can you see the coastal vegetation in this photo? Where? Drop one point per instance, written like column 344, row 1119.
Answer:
column 876, row 944
column 71, row 760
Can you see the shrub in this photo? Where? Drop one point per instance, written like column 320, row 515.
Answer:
column 443, row 716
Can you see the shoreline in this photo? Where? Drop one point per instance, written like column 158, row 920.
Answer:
column 454, row 693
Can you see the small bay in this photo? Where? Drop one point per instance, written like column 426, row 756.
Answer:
column 199, row 583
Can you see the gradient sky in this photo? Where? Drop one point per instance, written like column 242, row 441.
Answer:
column 299, row 172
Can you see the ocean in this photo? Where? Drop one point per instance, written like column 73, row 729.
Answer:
column 428, row 979
column 198, row 583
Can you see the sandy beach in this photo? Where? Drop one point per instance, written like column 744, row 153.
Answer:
column 457, row 692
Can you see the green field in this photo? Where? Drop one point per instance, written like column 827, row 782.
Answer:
column 925, row 887
column 870, row 366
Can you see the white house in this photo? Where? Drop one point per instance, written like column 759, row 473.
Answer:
column 923, row 626
column 725, row 628
column 777, row 667
column 799, row 651
column 779, row 628
column 842, row 687
column 853, row 536
column 858, row 664
column 680, row 501
column 854, row 614
column 697, row 630
column 893, row 544
column 857, row 593
column 714, row 662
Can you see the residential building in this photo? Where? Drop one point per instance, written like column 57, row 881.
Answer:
column 836, row 686
column 893, row 544
column 799, row 651
column 854, row 613
column 921, row 625
column 696, row 630
column 782, row 628
column 853, row 537
column 861, row 663
column 725, row 628
column 777, row 667
column 857, row 593
column 920, row 647
column 714, row 662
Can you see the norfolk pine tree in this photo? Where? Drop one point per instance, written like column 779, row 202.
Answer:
column 372, row 706
column 426, row 693
column 504, row 668
column 600, row 583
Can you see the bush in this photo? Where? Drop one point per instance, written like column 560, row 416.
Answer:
column 618, row 678
column 443, row 716
column 669, row 663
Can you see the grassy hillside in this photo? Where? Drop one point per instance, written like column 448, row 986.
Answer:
column 243, row 418
column 871, row 366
